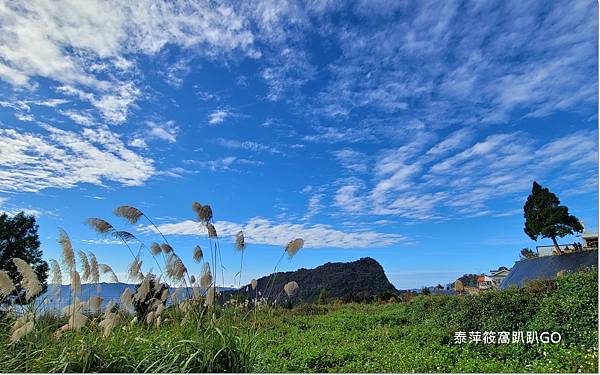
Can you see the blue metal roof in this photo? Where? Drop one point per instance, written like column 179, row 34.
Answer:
column 547, row 267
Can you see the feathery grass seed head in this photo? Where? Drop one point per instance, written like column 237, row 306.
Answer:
column 290, row 288
column 99, row 225
column 166, row 248
column 240, row 242
column 130, row 213
column 29, row 280
column 294, row 246
column 155, row 248
column 6, row 284
column 85, row 265
column 68, row 255
column 198, row 254
column 254, row 283
column 212, row 231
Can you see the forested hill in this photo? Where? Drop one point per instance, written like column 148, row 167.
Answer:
column 354, row 280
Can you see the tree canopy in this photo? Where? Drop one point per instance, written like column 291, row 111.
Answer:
column 19, row 239
column 546, row 217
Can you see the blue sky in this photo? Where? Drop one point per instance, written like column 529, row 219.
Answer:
column 406, row 131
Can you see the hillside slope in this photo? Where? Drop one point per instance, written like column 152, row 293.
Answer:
column 340, row 280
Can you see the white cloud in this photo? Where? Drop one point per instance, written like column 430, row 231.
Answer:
column 352, row 160
column 227, row 163
column 166, row 131
column 263, row 231
column 246, row 145
column 314, row 206
column 32, row 162
column 218, row 116
column 73, row 43
column 80, row 118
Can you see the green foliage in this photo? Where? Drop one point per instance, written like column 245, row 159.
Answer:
column 544, row 216
column 19, row 239
column 527, row 253
column 415, row 336
column 418, row 336
column 322, row 300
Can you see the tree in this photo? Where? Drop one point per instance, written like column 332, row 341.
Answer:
column 545, row 217
column 322, row 300
column 19, row 239
column 527, row 253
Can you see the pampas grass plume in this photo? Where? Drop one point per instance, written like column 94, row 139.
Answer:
column 290, row 288
column 6, row 284
column 130, row 213
column 294, row 246
column 85, row 265
column 198, row 254
column 240, row 243
column 68, row 255
column 99, row 225
column 30, row 280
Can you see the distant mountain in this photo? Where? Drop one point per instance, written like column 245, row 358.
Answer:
column 108, row 292
column 340, row 280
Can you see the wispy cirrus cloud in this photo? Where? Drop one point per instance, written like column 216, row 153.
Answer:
column 266, row 232
column 30, row 162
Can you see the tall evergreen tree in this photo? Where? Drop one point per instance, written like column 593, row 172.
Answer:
column 545, row 217
column 19, row 239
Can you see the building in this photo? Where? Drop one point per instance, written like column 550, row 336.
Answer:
column 485, row 282
column 590, row 241
column 547, row 267
column 499, row 275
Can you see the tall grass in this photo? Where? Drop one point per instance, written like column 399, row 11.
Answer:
column 196, row 334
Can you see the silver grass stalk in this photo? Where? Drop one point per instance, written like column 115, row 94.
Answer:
column 126, row 299
column 150, row 317
column 155, row 248
column 6, row 284
column 85, row 265
column 134, row 268
column 68, row 255
column 143, row 289
column 130, row 213
column 294, row 246
column 240, row 243
column 123, row 235
column 210, row 297
column 55, row 272
column 29, row 278
column 290, row 288
column 174, row 295
column 22, row 326
column 95, row 302
column 106, row 269
column 164, row 295
column 198, row 254
column 109, row 322
column 175, row 267
column 99, row 225
column 94, row 272
column 75, row 282
column 212, row 231
column 77, row 321
column 205, row 276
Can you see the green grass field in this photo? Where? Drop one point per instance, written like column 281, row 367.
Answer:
column 399, row 337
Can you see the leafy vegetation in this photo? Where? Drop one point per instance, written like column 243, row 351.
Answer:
column 418, row 336
column 19, row 239
column 391, row 337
